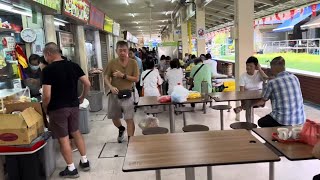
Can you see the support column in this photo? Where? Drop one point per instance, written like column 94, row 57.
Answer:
column 97, row 46
column 115, row 40
column 184, row 38
column 81, row 53
column 200, row 24
column 243, row 35
column 49, row 29
column 110, row 46
column 244, row 17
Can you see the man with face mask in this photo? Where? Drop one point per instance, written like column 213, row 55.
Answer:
column 33, row 74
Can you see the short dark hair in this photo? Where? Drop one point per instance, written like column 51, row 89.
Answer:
column 175, row 63
column 34, row 57
column 253, row 60
column 43, row 61
column 163, row 57
column 203, row 55
column 208, row 56
column 149, row 63
column 279, row 61
column 121, row 44
column 197, row 61
column 193, row 56
column 52, row 48
column 168, row 58
column 131, row 49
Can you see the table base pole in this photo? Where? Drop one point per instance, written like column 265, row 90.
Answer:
column 171, row 117
column 271, row 171
column 190, row 175
column 209, row 173
column 158, row 175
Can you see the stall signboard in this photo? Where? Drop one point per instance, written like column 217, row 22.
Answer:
column 108, row 24
column 116, row 29
column 96, row 17
column 134, row 40
column 77, row 9
column 53, row 4
column 128, row 36
column 168, row 44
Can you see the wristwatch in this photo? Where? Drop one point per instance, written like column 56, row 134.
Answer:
column 124, row 76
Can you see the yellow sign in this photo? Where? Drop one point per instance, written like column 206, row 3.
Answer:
column 54, row 4
column 108, row 24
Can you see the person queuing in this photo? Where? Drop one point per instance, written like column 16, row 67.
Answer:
column 120, row 74
column 150, row 79
column 139, row 62
column 61, row 103
column 284, row 91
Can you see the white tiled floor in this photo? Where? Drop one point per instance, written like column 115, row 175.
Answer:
column 102, row 131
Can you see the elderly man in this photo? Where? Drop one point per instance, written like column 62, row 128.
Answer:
column 286, row 98
column 120, row 75
column 59, row 84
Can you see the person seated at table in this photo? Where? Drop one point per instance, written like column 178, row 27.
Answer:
column 252, row 79
column 198, row 75
column 213, row 65
column 284, row 91
column 174, row 75
column 150, row 79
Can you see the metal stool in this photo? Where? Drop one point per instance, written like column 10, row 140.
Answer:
column 197, row 128
column 183, row 110
column 154, row 112
column 221, row 108
column 243, row 125
column 156, row 130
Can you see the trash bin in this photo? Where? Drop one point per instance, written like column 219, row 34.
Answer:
column 95, row 100
column 49, row 157
column 84, row 117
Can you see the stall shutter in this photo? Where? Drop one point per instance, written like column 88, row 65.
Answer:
column 104, row 51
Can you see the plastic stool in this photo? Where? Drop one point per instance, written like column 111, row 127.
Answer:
column 243, row 125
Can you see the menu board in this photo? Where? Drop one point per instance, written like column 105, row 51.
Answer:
column 108, row 24
column 116, row 29
column 53, row 4
column 78, row 9
column 96, row 17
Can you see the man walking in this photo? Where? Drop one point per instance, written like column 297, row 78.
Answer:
column 60, row 100
column 120, row 75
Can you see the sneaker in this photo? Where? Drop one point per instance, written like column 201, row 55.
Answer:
column 121, row 135
column 69, row 174
column 84, row 166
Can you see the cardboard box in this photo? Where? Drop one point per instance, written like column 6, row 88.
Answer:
column 23, row 128
column 22, row 106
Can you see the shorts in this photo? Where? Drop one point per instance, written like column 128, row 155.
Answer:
column 64, row 121
column 118, row 107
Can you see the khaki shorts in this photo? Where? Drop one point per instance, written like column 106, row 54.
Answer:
column 117, row 107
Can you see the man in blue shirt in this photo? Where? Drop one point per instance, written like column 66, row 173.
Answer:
column 139, row 61
column 286, row 98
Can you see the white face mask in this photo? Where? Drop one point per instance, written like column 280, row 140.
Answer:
column 34, row 68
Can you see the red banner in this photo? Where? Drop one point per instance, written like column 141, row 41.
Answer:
column 277, row 16
column 96, row 17
column 292, row 11
column 314, row 9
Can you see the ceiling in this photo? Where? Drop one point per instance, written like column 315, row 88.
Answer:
column 219, row 13
column 140, row 24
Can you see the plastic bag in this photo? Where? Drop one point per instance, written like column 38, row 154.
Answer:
column 316, row 149
column 85, row 104
column 148, row 122
column 164, row 99
column 309, row 132
column 179, row 94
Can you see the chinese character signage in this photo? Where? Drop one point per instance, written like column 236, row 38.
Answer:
column 53, row 4
column 108, row 24
column 78, row 9
column 96, row 17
